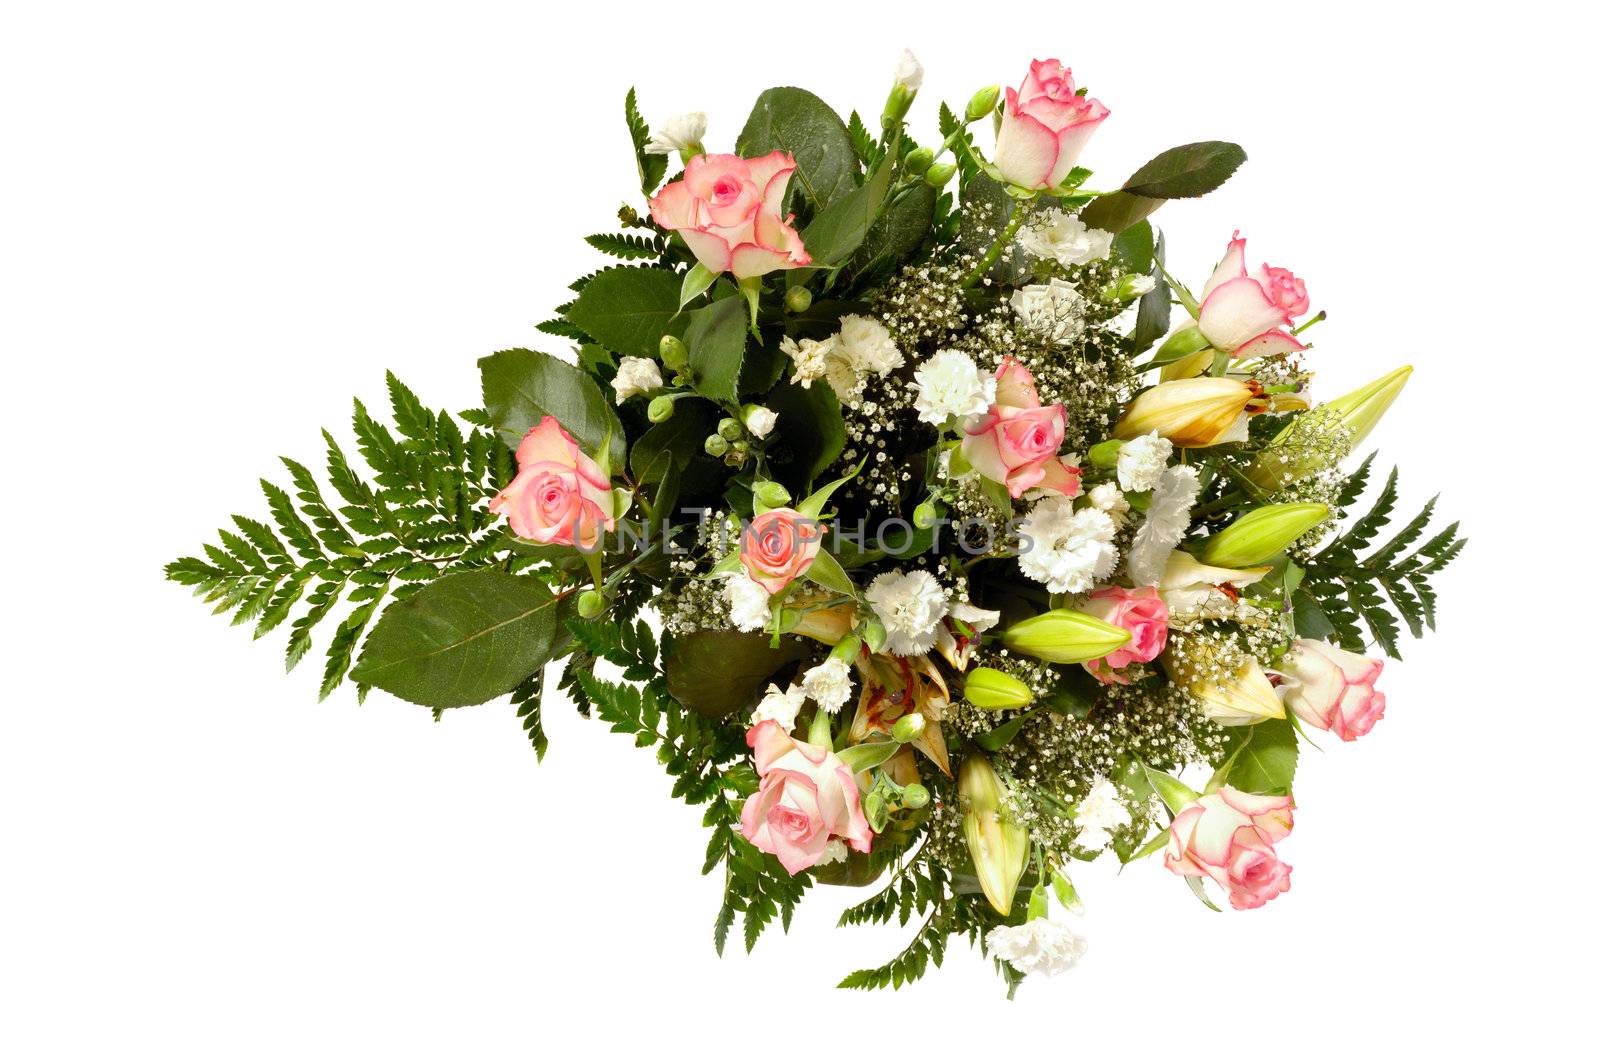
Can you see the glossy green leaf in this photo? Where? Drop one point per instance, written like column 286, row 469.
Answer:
column 716, row 340
column 522, row 387
column 1186, row 171
column 800, row 123
column 722, row 673
column 628, row 309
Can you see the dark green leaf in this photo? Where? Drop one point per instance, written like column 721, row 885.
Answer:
column 521, row 387
column 1186, row 171
column 835, row 233
column 1118, row 211
column 810, row 433
column 628, row 309
column 1267, row 754
column 720, row 673
column 716, row 339
column 796, row 121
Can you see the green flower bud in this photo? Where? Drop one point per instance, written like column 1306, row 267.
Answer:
column 737, row 454
column 925, row 515
column 1178, row 348
column 1063, row 636
column 917, row 162
column 798, row 299
column 999, row 846
column 1358, row 413
column 874, row 634
column 915, row 795
column 939, row 174
column 1262, row 533
column 716, row 446
column 661, row 408
column 989, row 688
column 729, row 429
column 771, row 494
column 1103, row 455
column 908, row 728
column 898, row 103
column 674, row 355
column 983, row 101
column 591, row 603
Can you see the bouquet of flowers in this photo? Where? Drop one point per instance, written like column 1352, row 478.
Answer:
column 884, row 496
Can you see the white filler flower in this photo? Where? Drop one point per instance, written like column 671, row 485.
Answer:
column 1055, row 234
column 1055, row 311
column 910, row 604
column 748, row 607
column 950, row 385
column 1039, row 946
column 1141, row 461
column 1067, row 550
column 828, row 684
column 635, row 376
column 678, row 133
column 1099, row 813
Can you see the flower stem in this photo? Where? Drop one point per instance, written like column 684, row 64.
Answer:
column 1018, row 214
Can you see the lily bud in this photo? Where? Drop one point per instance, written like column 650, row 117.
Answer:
column 1363, row 408
column 989, row 688
column 939, row 174
column 982, row 102
column 798, row 300
column 1245, row 698
column 999, row 846
column 1103, row 455
column 1200, row 412
column 661, row 408
column 917, row 162
column 674, row 355
column 1357, row 413
column 1262, row 533
column 1064, row 636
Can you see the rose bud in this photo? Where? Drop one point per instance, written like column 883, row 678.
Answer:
column 1201, row 412
column 1262, row 533
column 1228, row 837
column 989, row 688
column 1064, row 636
column 1045, row 127
column 999, row 846
column 1332, row 688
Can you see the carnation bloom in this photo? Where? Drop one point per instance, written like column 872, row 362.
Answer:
column 1166, row 522
column 1065, row 549
column 1244, row 312
column 681, row 132
column 730, row 212
column 778, row 546
column 950, row 385
column 1141, row 461
column 1045, row 127
column 559, row 495
column 1228, row 837
column 1015, row 441
column 910, row 605
column 829, row 684
column 807, row 798
column 1141, row 613
column 1039, row 946
column 780, row 706
column 1099, row 813
column 748, row 605
column 635, row 376
column 1054, row 311
column 1054, row 234
column 1332, row 688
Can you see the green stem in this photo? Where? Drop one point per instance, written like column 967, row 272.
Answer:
column 1018, row 214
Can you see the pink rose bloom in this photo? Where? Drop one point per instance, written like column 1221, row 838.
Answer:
column 778, row 546
column 807, row 798
column 730, row 212
column 1045, row 127
column 559, row 494
column 1331, row 688
column 1015, row 442
column 1140, row 612
column 1244, row 313
column 1228, row 837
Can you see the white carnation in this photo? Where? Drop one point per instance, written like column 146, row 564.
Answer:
column 910, row 604
column 828, row 684
column 1039, row 946
column 950, row 385
column 1137, row 284
column 1165, row 524
column 760, row 420
column 678, row 133
column 1108, row 500
column 1055, row 234
column 780, row 705
column 908, row 71
column 810, row 358
column 1141, row 462
column 1099, row 813
column 748, row 607
column 835, row 852
column 635, row 376
column 1055, row 310
column 1069, row 550
column 867, row 346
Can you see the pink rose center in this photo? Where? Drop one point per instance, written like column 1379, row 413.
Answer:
column 554, row 497
column 792, row 823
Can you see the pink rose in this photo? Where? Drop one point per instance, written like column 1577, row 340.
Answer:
column 1015, row 442
column 1244, row 313
column 1045, row 127
column 778, row 546
column 1332, row 688
column 559, row 494
column 1228, row 837
column 1142, row 613
column 807, row 798
column 730, row 212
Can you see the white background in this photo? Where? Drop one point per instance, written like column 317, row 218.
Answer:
column 220, row 222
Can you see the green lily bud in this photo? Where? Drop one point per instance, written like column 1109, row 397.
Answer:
column 1262, row 533
column 908, row 728
column 1063, row 636
column 939, row 174
column 846, row 649
column 915, row 795
column 1181, row 344
column 1285, row 460
column 1363, row 408
column 661, row 408
column 716, row 446
column 771, row 494
column 798, row 300
column 989, row 688
column 674, row 355
column 917, row 162
column 999, row 846
column 729, row 429
column 1103, row 455
column 926, row 515
column 874, row 634
column 983, row 101
column 591, row 604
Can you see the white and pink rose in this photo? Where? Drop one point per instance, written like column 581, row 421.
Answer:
column 559, row 495
column 1045, row 127
column 1331, row 688
column 807, row 799
column 730, row 212
column 1228, row 837
column 1140, row 612
column 1245, row 313
column 778, row 546
column 1016, row 440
